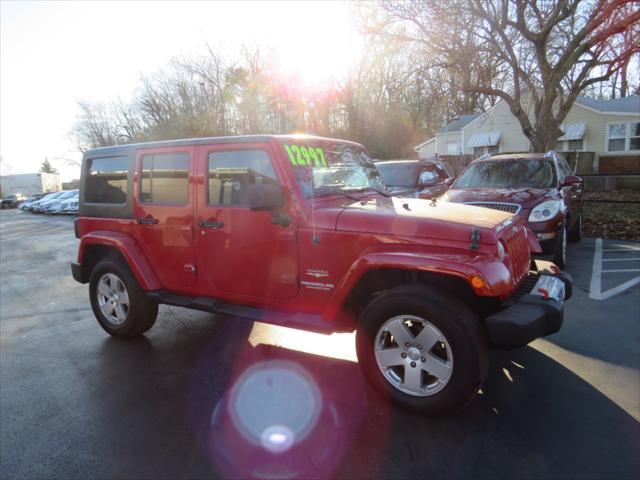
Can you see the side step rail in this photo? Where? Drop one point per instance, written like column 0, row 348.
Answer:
column 302, row 321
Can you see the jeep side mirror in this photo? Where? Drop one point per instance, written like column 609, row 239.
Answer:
column 571, row 180
column 265, row 197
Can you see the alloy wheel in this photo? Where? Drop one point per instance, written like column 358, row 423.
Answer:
column 413, row 355
column 113, row 298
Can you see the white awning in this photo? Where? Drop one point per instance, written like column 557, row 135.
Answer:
column 490, row 139
column 573, row 132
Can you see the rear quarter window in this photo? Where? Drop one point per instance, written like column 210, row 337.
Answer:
column 106, row 180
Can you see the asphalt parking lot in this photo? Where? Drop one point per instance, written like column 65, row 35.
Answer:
column 75, row 403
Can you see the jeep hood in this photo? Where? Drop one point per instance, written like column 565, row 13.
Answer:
column 409, row 217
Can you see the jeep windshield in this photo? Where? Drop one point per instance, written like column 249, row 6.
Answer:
column 331, row 168
column 508, row 174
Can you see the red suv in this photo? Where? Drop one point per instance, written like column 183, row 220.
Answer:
column 541, row 188
column 296, row 231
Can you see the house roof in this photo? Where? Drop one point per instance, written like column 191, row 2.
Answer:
column 618, row 105
column 456, row 124
column 417, row 147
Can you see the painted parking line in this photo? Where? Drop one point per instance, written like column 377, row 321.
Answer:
column 620, row 259
column 595, row 289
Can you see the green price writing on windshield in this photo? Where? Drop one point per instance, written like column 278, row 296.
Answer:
column 301, row 155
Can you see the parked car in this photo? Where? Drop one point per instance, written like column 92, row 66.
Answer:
column 55, row 206
column 416, row 178
column 38, row 206
column 427, row 286
column 70, row 206
column 541, row 188
column 12, row 201
column 27, row 204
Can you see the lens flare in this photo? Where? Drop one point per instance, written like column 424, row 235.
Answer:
column 278, row 438
column 275, row 403
column 265, row 411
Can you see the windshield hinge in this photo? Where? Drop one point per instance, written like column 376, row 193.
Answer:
column 475, row 238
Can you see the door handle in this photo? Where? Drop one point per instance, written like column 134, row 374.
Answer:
column 211, row 224
column 147, row 221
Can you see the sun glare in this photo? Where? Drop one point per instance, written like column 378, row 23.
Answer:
column 320, row 43
column 340, row 346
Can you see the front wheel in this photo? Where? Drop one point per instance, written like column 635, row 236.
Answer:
column 119, row 304
column 422, row 348
column 560, row 251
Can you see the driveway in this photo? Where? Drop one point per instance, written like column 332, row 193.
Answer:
column 178, row 403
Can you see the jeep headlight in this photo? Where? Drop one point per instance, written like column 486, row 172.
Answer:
column 500, row 251
column 545, row 211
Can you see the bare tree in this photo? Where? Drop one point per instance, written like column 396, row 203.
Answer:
column 390, row 101
column 547, row 52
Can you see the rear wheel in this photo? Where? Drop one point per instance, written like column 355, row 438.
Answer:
column 119, row 304
column 422, row 348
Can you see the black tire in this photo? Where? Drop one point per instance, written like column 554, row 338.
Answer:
column 141, row 313
column 560, row 250
column 458, row 324
column 575, row 232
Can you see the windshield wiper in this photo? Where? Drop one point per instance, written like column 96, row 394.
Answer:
column 377, row 190
column 332, row 191
column 381, row 192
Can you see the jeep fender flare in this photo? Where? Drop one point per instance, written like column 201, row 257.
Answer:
column 462, row 265
column 130, row 251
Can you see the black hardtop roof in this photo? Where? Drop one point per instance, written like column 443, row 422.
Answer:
column 120, row 149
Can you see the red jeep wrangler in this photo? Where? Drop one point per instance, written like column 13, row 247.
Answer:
column 299, row 231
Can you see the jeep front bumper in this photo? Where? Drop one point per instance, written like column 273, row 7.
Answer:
column 534, row 311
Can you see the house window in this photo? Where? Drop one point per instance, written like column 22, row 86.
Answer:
column 570, row 145
column 634, row 135
column 491, row 150
column 574, row 145
column 623, row 137
column 617, row 137
column 452, row 148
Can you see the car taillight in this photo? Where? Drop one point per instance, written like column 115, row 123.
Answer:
column 76, row 227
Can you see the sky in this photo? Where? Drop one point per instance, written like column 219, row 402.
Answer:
column 54, row 53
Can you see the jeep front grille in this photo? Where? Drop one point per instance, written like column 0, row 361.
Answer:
column 503, row 207
column 516, row 247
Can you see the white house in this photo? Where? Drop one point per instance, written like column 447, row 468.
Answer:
column 608, row 129
column 448, row 140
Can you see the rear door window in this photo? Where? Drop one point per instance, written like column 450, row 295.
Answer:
column 164, row 178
